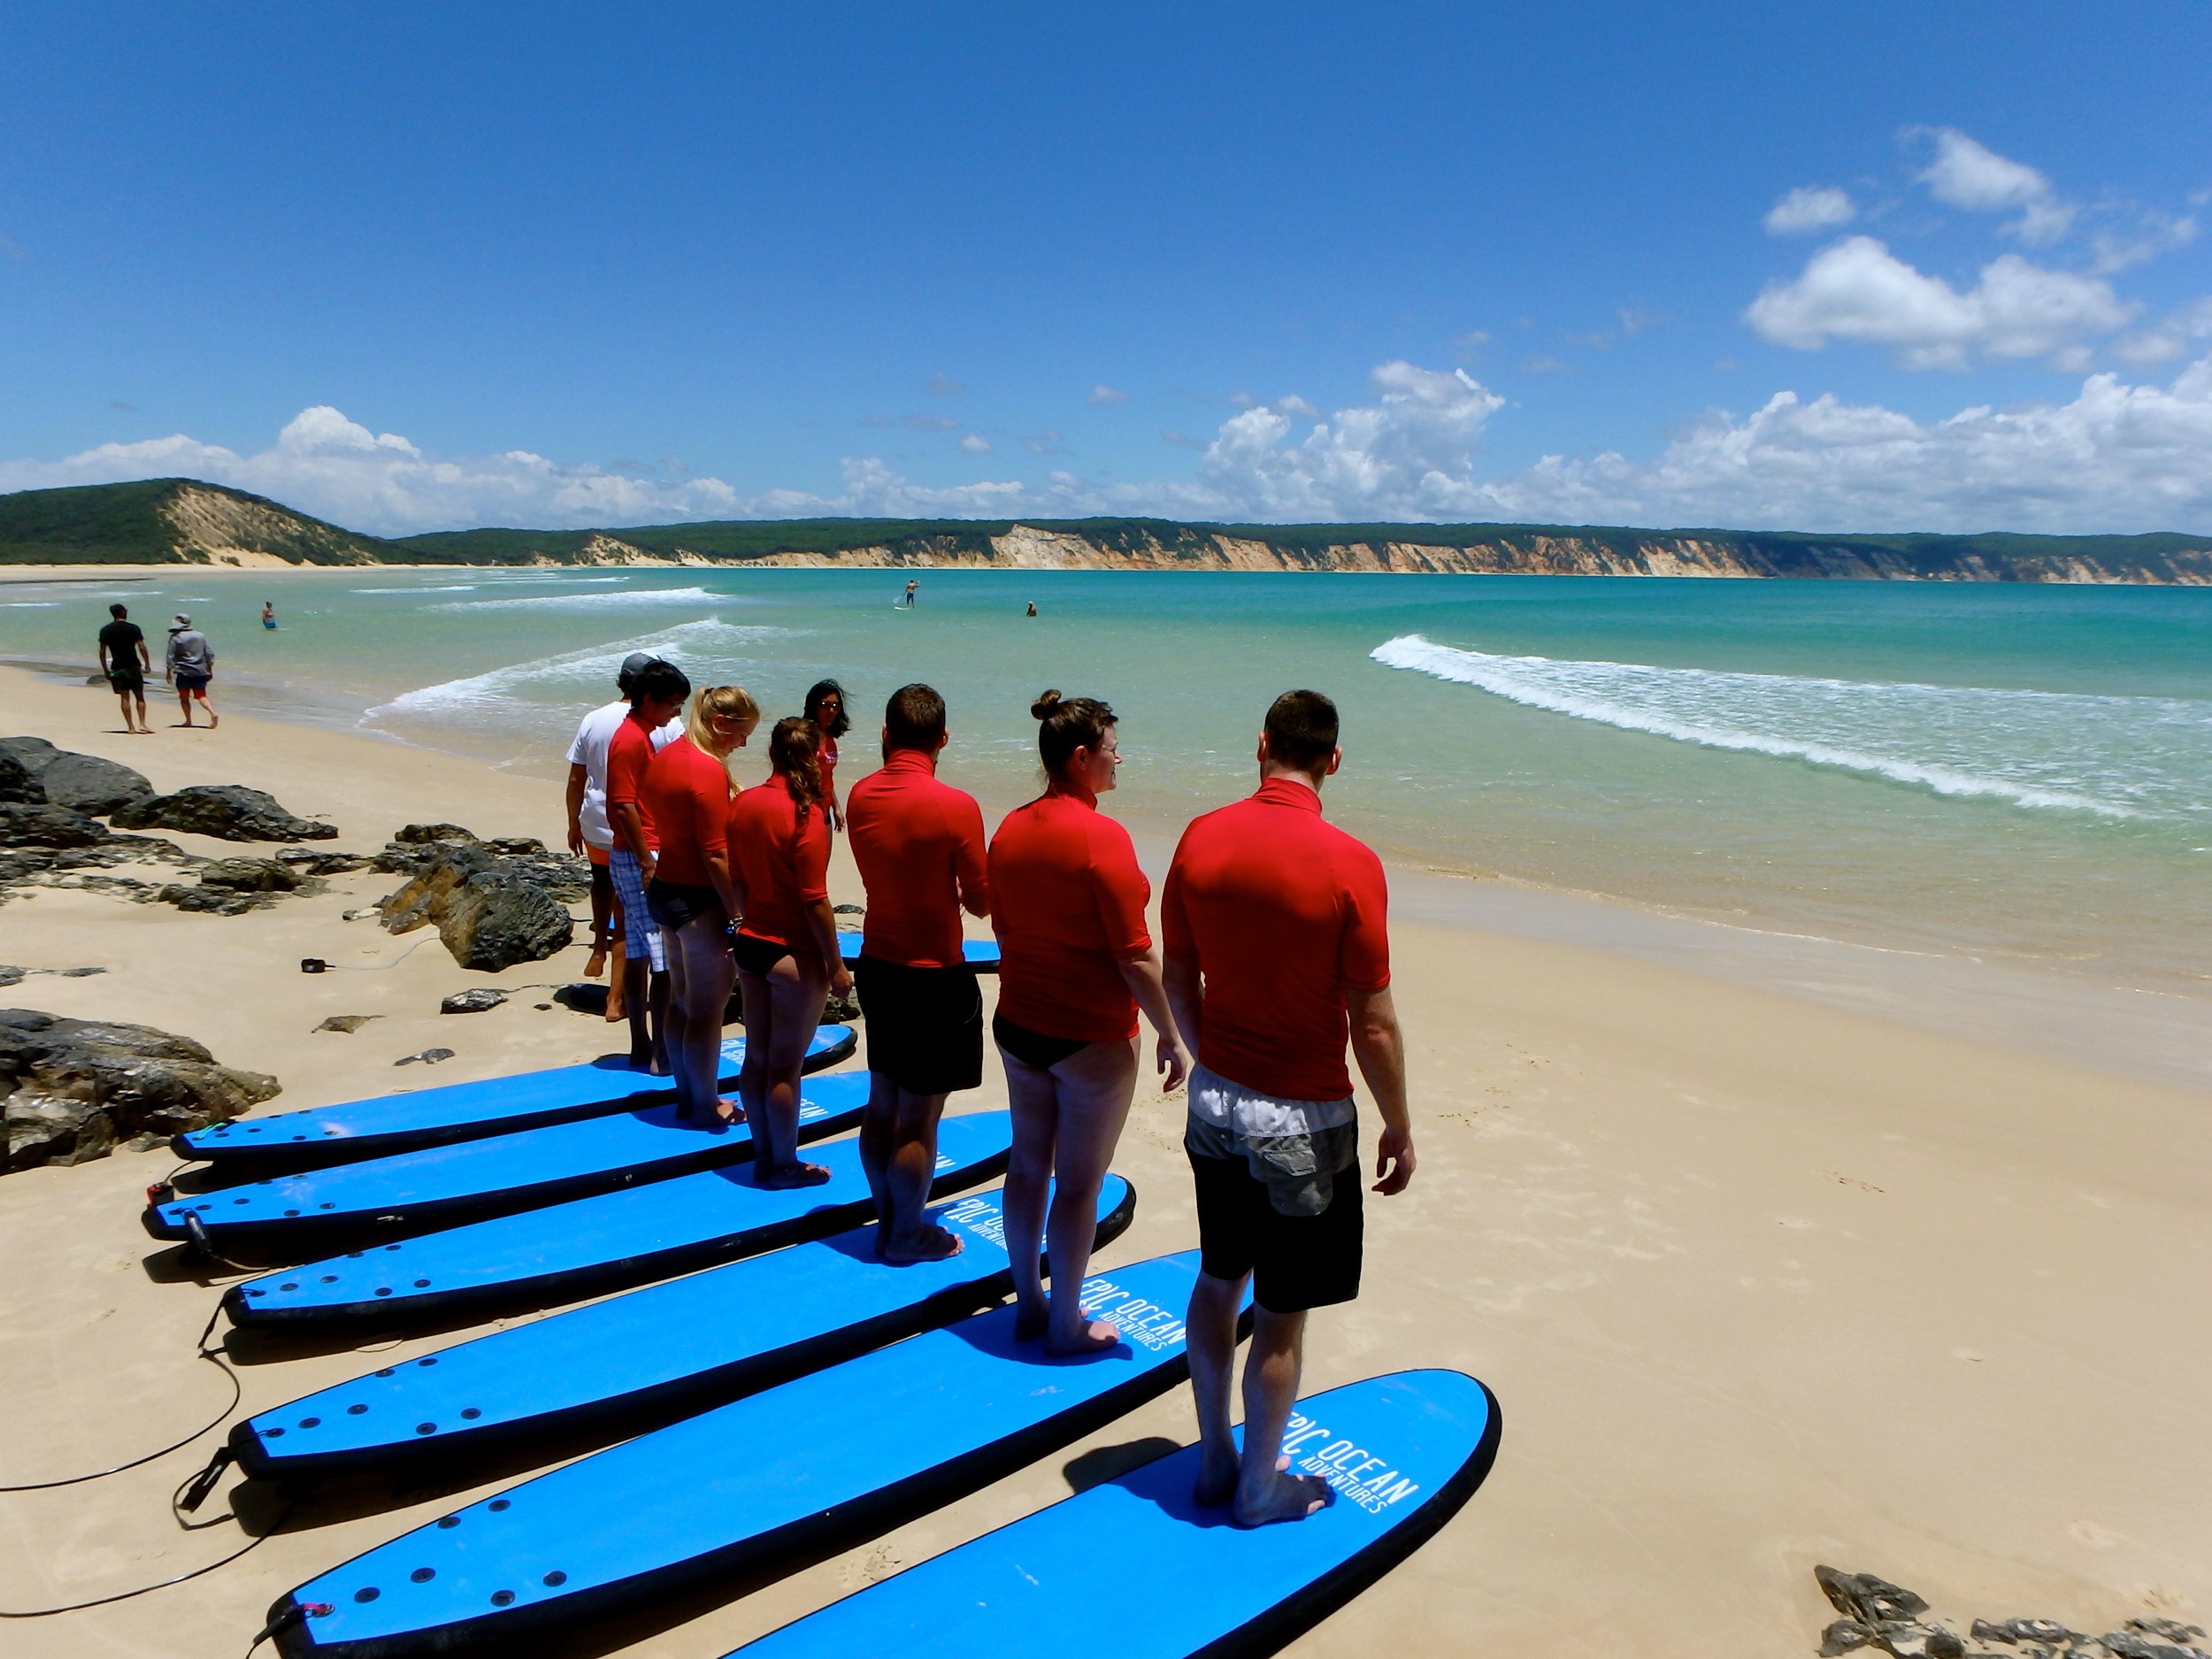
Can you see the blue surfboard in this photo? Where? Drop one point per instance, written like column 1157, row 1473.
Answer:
column 732, row 1330
column 565, row 1251
column 412, row 1192
column 980, row 954
column 1404, row 1452
column 817, row 1463
column 462, row 1111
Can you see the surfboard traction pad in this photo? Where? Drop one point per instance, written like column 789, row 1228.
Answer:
column 694, row 1391
column 712, row 1148
column 303, row 1145
column 839, row 1525
column 593, row 1277
column 829, row 1629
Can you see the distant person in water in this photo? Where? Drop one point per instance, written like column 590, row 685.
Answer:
column 590, row 836
column 123, row 659
column 189, row 666
column 1276, row 936
column 1076, row 964
column 1033, row 607
column 786, row 944
column 919, row 846
column 826, row 707
column 911, row 586
column 690, row 796
column 658, row 692
column 268, row 613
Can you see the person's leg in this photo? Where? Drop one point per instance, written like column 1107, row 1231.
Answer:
column 879, row 1130
column 752, row 1074
column 1095, row 1086
column 1209, row 1337
column 796, row 995
column 184, row 705
column 123, row 696
column 213, row 719
column 138, row 696
column 651, row 1020
column 700, row 972
column 678, row 1020
column 914, row 1237
column 1033, row 1096
column 602, row 929
column 1264, row 1491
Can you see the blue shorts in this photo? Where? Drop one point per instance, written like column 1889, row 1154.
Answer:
column 640, row 934
column 191, row 684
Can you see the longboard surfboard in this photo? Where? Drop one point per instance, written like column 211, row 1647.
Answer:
column 812, row 1464
column 979, row 954
column 414, row 1192
column 461, row 1111
column 1404, row 1452
column 589, row 1245
column 667, row 1347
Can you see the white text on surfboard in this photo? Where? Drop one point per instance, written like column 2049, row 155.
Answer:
column 1370, row 1481
column 1140, row 1321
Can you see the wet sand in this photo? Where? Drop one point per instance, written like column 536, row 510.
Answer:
column 1760, row 1280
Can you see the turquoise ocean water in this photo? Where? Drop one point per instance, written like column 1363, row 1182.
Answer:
column 2011, row 773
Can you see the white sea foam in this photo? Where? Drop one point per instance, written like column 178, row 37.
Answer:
column 428, row 587
column 635, row 596
column 2115, row 757
column 582, row 677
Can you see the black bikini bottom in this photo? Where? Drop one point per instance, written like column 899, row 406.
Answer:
column 675, row 904
column 1034, row 1048
column 757, row 956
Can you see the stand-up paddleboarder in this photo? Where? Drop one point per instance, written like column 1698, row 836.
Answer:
column 919, row 846
column 1276, row 934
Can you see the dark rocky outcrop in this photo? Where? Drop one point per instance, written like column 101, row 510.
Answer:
column 84, row 783
column 423, row 835
column 481, row 1001
column 22, row 825
column 228, row 811
column 73, row 1089
column 314, row 864
column 492, row 912
column 251, row 875
column 1885, row 1618
column 19, row 783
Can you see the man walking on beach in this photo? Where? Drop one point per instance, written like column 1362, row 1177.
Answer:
column 123, row 659
column 189, row 665
column 656, row 696
column 1278, row 951
column 920, row 848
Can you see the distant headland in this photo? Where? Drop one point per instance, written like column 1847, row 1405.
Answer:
column 183, row 521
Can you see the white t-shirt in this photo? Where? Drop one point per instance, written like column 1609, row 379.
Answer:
column 590, row 751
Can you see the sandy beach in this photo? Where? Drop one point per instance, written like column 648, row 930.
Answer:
column 1759, row 1281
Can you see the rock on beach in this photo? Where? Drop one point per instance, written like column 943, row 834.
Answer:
column 83, row 783
column 228, row 811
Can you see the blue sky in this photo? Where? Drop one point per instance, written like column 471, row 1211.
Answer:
column 417, row 266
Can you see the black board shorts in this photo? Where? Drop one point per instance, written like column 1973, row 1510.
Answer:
column 676, row 905
column 1296, row 1261
column 187, row 681
column 925, row 1025
column 129, row 682
column 1034, row 1048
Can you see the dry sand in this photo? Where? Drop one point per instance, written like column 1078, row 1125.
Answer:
column 1759, row 1283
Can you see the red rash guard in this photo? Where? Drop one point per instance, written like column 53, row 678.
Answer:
column 919, row 846
column 687, row 800
column 1284, row 913
column 629, row 753
column 1067, row 902
column 784, row 868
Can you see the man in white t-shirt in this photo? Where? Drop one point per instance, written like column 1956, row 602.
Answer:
column 589, row 834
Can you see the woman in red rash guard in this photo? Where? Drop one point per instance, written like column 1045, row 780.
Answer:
column 1076, row 963
column 786, row 945
column 689, row 795
column 826, row 707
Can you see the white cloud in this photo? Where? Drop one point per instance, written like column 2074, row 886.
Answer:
column 1968, row 175
column 1105, row 396
column 2167, row 338
column 1293, row 404
column 1857, row 289
column 1808, row 208
column 2154, row 234
column 976, row 443
column 942, row 385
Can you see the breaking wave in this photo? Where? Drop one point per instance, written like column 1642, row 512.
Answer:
column 2115, row 757
column 583, row 679
column 634, row 597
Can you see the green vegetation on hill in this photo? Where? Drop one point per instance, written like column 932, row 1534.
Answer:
column 166, row 521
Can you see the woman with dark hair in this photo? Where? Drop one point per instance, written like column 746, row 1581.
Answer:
column 786, row 944
column 688, row 794
column 1076, row 964
column 826, row 707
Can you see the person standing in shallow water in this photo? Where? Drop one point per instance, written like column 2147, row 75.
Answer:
column 919, row 846
column 786, row 944
column 1076, row 964
column 123, row 659
column 1277, row 938
column 268, row 613
column 826, row 707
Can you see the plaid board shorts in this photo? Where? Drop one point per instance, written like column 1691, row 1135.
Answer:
column 640, row 934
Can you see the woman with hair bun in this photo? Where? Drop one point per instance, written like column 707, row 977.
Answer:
column 786, row 944
column 826, row 707
column 1076, row 964
column 690, row 795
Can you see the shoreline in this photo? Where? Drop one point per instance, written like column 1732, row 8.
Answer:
column 1761, row 1282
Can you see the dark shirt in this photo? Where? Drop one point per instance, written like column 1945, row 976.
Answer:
column 122, row 640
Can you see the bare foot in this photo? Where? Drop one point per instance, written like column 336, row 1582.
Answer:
column 616, row 1012
column 1216, row 1481
column 1095, row 1338
column 932, row 1244
column 213, row 720
column 782, row 1177
column 594, row 964
column 1287, row 1498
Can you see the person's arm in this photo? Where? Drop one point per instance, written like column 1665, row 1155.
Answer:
column 822, row 923
column 1380, row 1049
column 970, row 863
column 1185, row 996
column 145, row 662
column 1141, row 974
column 577, row 779
column 103, row 658
column 831, row 803
column 814, row 873
column 629, row 830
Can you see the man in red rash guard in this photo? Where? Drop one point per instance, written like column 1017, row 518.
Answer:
column 656, row 696
column 1278, row 951
column 919, row 846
